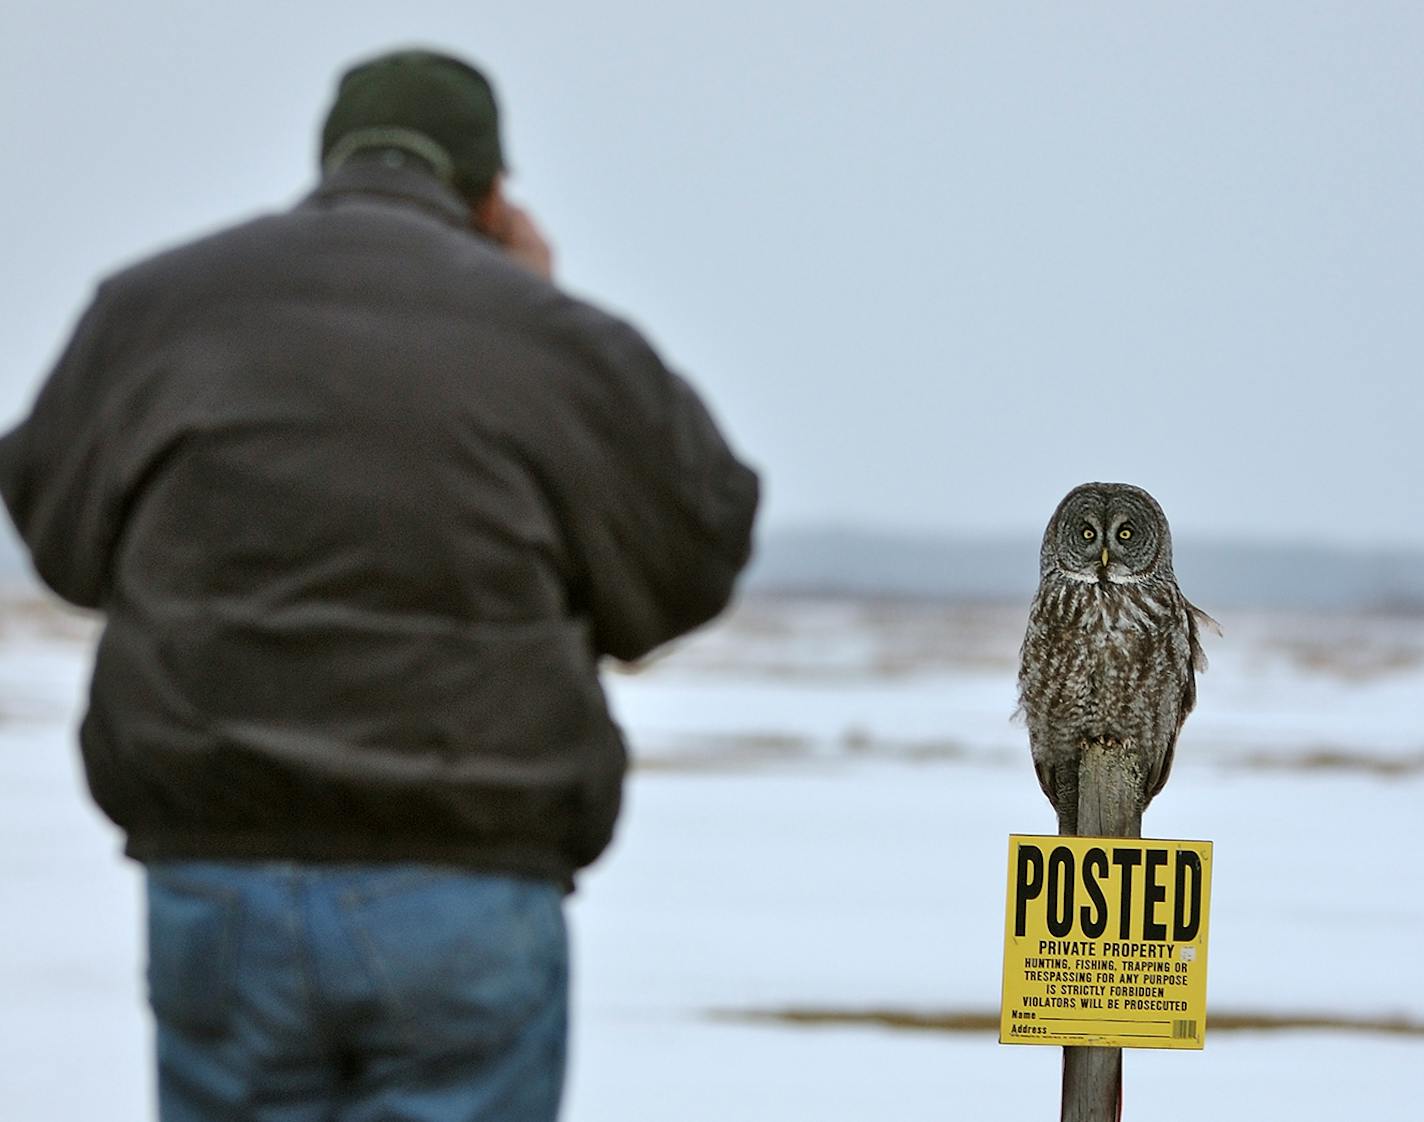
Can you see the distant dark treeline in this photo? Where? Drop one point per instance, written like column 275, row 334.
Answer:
column 1212, row 574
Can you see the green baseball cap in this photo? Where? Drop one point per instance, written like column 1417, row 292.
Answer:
column 434, row 106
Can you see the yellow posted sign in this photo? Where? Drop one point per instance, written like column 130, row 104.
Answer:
column 1105, row 942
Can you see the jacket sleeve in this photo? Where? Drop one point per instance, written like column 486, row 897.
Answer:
column 656, row 508
column 54, row 473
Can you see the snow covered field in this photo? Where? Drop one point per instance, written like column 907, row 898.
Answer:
column 818, row 824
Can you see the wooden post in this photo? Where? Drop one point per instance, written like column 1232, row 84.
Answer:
column 1107, row 802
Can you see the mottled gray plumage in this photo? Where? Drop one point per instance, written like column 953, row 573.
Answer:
column 1111, row 646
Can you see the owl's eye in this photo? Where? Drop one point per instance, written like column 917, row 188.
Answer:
column 1125, row 534
column 1089, row 533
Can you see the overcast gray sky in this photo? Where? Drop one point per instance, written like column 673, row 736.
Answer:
column 932, row 263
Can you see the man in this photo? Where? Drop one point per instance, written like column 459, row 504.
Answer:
column 363, row 497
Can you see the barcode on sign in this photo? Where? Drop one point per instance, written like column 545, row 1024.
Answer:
column 1184, row 1030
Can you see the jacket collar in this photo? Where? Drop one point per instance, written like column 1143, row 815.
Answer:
column 399, row 183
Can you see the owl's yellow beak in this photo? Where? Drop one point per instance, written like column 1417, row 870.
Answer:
column 1105, row 557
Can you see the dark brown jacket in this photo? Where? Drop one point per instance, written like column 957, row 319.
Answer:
column 363, row 502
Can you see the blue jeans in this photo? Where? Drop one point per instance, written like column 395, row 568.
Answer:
column 401, row 993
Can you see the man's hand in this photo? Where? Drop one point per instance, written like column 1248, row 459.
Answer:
column 513, row 229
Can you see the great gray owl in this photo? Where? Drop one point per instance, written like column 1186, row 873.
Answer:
column 1112, row 643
